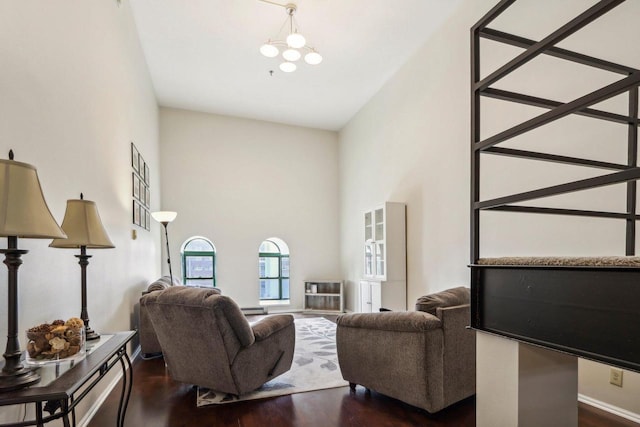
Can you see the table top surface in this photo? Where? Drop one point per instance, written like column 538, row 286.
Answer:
column 59, row 380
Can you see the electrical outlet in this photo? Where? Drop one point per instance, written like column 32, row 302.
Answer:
column 615, row 377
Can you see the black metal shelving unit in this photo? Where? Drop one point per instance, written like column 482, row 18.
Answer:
column 592, row 312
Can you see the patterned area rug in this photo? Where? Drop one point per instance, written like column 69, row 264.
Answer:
column 314, row 367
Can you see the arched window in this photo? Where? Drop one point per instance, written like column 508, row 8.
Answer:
column 273, row 265
column 198, row 262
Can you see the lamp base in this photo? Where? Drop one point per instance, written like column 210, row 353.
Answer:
column 90, row 334
column 16, row 380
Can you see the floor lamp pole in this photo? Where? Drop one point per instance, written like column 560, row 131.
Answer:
column 166, row 238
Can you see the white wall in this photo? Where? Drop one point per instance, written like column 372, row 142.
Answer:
column 239, row 181
column 74, row 93
column 410, row 144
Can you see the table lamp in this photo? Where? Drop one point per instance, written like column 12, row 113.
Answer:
column 84, row 230
column 164, row 218
column 23, row 213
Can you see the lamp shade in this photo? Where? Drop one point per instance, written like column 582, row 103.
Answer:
column 23, row 210
column 296, row 40
column 288, row 67
column 83, row 227
column 313, row 58
column 164, row 216
column 291, row 55
column 269, row 50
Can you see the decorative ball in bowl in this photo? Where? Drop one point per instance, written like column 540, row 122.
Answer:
column 56, row 341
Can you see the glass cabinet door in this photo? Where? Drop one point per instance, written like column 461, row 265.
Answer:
column 368, row 260
column 379, row 225
column 380, row 261
column 368, row 227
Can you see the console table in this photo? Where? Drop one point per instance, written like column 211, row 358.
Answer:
column 64, row 384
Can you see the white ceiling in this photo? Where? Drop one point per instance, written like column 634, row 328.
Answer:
column 203, row 54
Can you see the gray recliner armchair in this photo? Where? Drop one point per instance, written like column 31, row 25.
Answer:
column 425, row 358
column 149, row 345
column 207, row 341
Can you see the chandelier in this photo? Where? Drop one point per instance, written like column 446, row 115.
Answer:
column 294, row 45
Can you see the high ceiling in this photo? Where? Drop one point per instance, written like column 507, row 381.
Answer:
column 203, row 54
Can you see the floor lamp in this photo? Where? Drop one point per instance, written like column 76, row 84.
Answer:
column 23, row 213
column 164, row 218
column 84, row 230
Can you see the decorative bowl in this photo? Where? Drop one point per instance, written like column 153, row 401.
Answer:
column 56, row 342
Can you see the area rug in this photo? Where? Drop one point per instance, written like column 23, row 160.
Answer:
column 314, row 367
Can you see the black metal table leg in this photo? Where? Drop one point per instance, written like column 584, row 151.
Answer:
column 65, row 412
column 127, row 385
column 39, row 421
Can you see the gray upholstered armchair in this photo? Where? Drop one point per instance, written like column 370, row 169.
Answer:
column 149, row 345
column 425, row 358
column 207, row 341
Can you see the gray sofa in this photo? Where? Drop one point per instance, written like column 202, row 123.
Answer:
column 425, row 358
column 207, row 341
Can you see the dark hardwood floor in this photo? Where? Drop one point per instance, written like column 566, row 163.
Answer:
column 157, row 400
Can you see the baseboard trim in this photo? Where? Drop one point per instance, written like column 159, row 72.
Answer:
column 285, row 311
column 622, row 413
column 84, row 421
column 254, row 310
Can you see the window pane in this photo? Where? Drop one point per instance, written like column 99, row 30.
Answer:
column 269, row 247
column 285, row 288
column 269, row 289
column 198, row 245
column 200, row 282
column 285, row 266
column 269, row 267
column 198, row 266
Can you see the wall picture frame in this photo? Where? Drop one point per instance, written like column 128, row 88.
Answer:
column 135, row 158
column 143, row 217
column 136, row 213
column 136, row 186
column 141, row 195
column 147, row 198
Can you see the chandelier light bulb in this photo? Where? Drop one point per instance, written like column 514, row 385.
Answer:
column 313, row 58
column 269, row 50
column 296, row 40
column 288, row 67
column 291, row 55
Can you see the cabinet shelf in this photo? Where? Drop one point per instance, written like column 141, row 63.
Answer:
column 328, row 296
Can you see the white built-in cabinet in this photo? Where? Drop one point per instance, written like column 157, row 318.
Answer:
column 370, row 296
column 385, row 259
